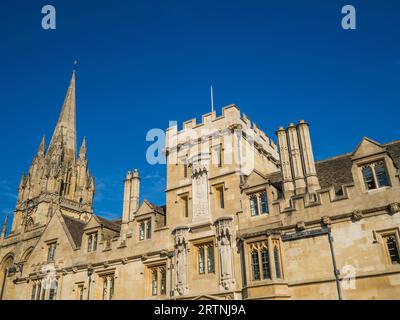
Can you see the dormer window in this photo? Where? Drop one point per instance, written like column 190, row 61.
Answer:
column 145, row 230
column 375, row 175
column 51, row 251
column 92, row 242
column 259, row 203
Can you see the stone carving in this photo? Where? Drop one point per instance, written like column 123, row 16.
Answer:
column 199, row 165
column 224, row 236
column 357, row 215
column 394, row 207
column 181, row 252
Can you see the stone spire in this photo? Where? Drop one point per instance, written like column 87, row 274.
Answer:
column 66, row 125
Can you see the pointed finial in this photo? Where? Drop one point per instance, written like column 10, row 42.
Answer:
column 4, row 228
column 42, row 146
column 83, row 149
column 136, row 173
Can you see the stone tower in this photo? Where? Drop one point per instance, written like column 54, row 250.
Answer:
column 57, row 179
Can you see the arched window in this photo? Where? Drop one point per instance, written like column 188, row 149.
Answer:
column 255, row 265
column 264, row 202
column 277, row 263
column 253, row 205
column 265, row 264
column 8, row 262
column 154, row 282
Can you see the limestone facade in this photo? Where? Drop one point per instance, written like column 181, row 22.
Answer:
column 244, row 218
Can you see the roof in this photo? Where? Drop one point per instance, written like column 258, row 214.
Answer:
column 75, row 228
column 336, row 171
column 114, row 225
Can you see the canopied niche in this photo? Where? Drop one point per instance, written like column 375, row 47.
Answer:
column 200, row 187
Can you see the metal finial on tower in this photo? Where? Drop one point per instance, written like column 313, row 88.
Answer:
column 212, row 99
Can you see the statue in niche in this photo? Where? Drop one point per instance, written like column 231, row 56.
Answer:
column 181, row 261
column 223, row 228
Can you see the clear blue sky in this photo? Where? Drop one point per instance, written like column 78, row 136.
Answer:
column 143, row 63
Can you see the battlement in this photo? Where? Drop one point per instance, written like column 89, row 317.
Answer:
column 231, row 115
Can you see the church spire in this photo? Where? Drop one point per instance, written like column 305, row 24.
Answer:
column 66, row 125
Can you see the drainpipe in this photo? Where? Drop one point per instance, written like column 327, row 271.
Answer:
column 335, row 269
column 171, row 268
column 89, row 272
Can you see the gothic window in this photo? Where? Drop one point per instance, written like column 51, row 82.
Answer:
column 148, row 229
column 255, row 265
column 265, row 264
column 254, row 205
column 108, row 287
column 260, row 253
column 210, row 259
column 206, row 260
column 51, row 253
column 158, row 277
column 92, row 242
column 381, row 174
column 141, row 230
column 201, row 260
column 375, row 175
column 392, row 246
column 145, row 230
column 264, row 202
column 154, row 282
column 163, row 284
column 259, row 203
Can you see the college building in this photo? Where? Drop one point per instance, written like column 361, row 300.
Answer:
column 244, row 218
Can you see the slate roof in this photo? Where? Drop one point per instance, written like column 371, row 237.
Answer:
column 114, row 225
column 336, row 171
column 75, row 228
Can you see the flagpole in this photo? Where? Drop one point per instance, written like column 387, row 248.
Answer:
column 212, row 99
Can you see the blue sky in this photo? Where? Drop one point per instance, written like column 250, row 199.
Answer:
column 144, row 63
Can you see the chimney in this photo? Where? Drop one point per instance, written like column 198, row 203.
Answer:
column 295, row 155
column 134, row 206
column 308, row 157
column 127, row 196
column 286, row 168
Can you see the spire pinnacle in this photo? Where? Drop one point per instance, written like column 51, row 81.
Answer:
column 66, row 125
column 4, row 228
column 83, row 149
column 42, row 146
